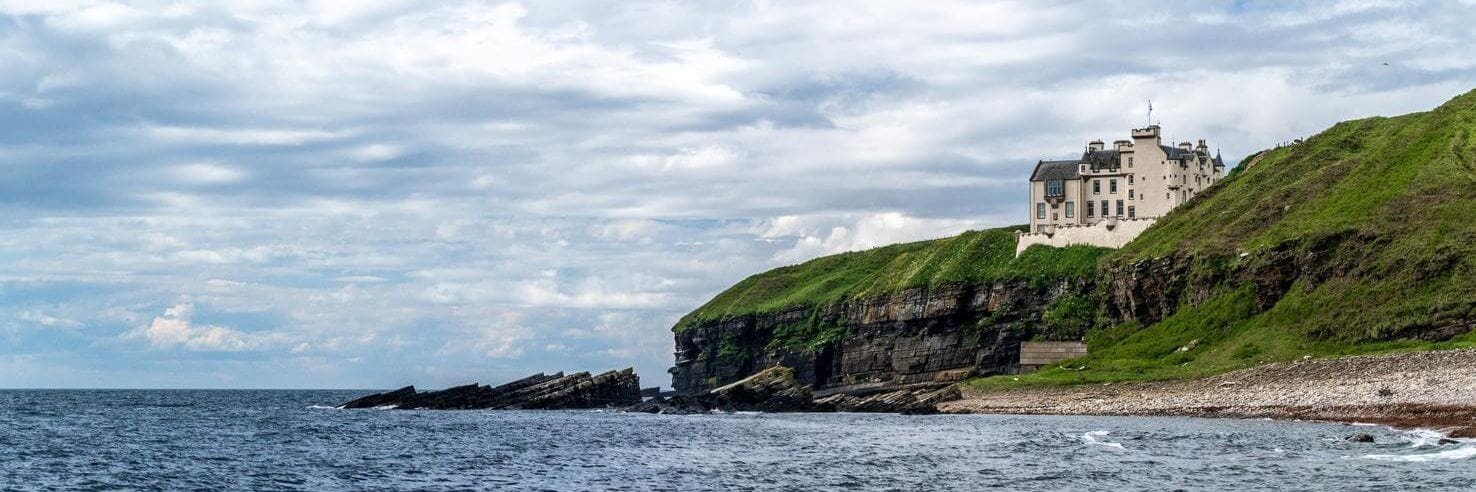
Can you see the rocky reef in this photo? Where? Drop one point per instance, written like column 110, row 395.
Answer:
column 777, row 390
column 539, row 391
column 771, row 390
column 920, row 335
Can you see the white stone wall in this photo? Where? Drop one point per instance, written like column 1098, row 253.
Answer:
column 1105, row 233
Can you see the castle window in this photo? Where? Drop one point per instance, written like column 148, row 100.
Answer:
column 1091, row 208
column 1132, row 211
column 1130, row 194
column 1112, row 186
column 1130, row 161
column 1096, row 187
column 1040, row 210
column 1119, row 208
column 1070, row 209
column 1055, row 187
column 1055, row 217
column 1130, row 179
column 1105, row 209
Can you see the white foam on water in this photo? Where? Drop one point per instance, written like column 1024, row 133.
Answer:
column 1465, row 452
column 323, row 407
column 1419, row 438
column 1093, row 437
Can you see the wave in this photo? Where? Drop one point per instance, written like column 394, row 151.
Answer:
column 1461, row 453
column 323, row 407
column 1426, row 438
column 1094, row 437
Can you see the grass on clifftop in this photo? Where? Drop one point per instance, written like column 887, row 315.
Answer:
column 974, row 256
column 1396, row 195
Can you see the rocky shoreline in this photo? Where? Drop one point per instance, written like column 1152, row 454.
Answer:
column 1435, row 390
column 772, row 390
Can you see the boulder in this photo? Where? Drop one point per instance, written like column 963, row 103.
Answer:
column 1361, row 438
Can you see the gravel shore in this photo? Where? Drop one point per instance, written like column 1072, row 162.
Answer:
column 1435, row 390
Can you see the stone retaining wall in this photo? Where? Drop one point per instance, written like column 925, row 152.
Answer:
column 1107, row 233
column 1033, row 355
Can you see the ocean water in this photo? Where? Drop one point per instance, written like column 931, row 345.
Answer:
column 294, row 440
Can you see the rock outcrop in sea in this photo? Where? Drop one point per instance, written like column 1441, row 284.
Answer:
column 777, row 390
column 539, row 391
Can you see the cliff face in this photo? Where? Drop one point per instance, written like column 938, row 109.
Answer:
column 917, row 335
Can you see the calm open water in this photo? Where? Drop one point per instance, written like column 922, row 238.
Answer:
column 285, row 440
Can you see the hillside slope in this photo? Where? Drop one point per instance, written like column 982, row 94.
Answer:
column 1359, row 239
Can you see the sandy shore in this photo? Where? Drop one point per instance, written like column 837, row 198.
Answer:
column 1435, row 390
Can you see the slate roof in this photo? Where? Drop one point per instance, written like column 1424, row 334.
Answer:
column 1100, row 159
column 1175, row 153
column 1055, row 170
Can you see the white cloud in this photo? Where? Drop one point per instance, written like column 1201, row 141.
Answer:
column 174, row 329
column 207, row 173
column 47, row 320
column 240, row 136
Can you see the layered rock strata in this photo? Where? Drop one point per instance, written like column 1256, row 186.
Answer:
column 539, row 391
column 776, row 390
column 939, row 334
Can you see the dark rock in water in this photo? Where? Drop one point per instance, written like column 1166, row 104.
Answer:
column 382, row 399
column 1361, row 438
column 776, row 390
column 539, row 391
column 911, row 401
column 1447, row 441
column 676, row 405
column 771, row 390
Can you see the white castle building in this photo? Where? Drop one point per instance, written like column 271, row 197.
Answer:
column 1109, row 196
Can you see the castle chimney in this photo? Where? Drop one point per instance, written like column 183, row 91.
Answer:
column 1094, row 146
column 1122, row 145
column 1186, row 145
column 1202, row 147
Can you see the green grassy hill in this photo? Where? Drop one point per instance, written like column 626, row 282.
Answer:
column 971, row 257
column 1390, row 203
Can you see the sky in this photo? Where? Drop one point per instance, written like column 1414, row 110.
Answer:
column 354, row 194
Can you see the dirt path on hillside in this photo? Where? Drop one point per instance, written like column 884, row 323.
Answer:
column 1427, row 389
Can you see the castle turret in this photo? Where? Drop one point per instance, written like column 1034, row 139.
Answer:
column 1146, row 137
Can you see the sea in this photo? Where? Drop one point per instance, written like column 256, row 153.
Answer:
column 297, row 440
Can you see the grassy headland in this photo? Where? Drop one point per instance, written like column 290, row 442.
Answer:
column 1399, row 197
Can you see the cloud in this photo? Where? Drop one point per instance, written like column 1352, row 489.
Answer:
column 411, row 193
column 239, row 136
column 175, row 330
column 207, row 173
column 47, row 320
